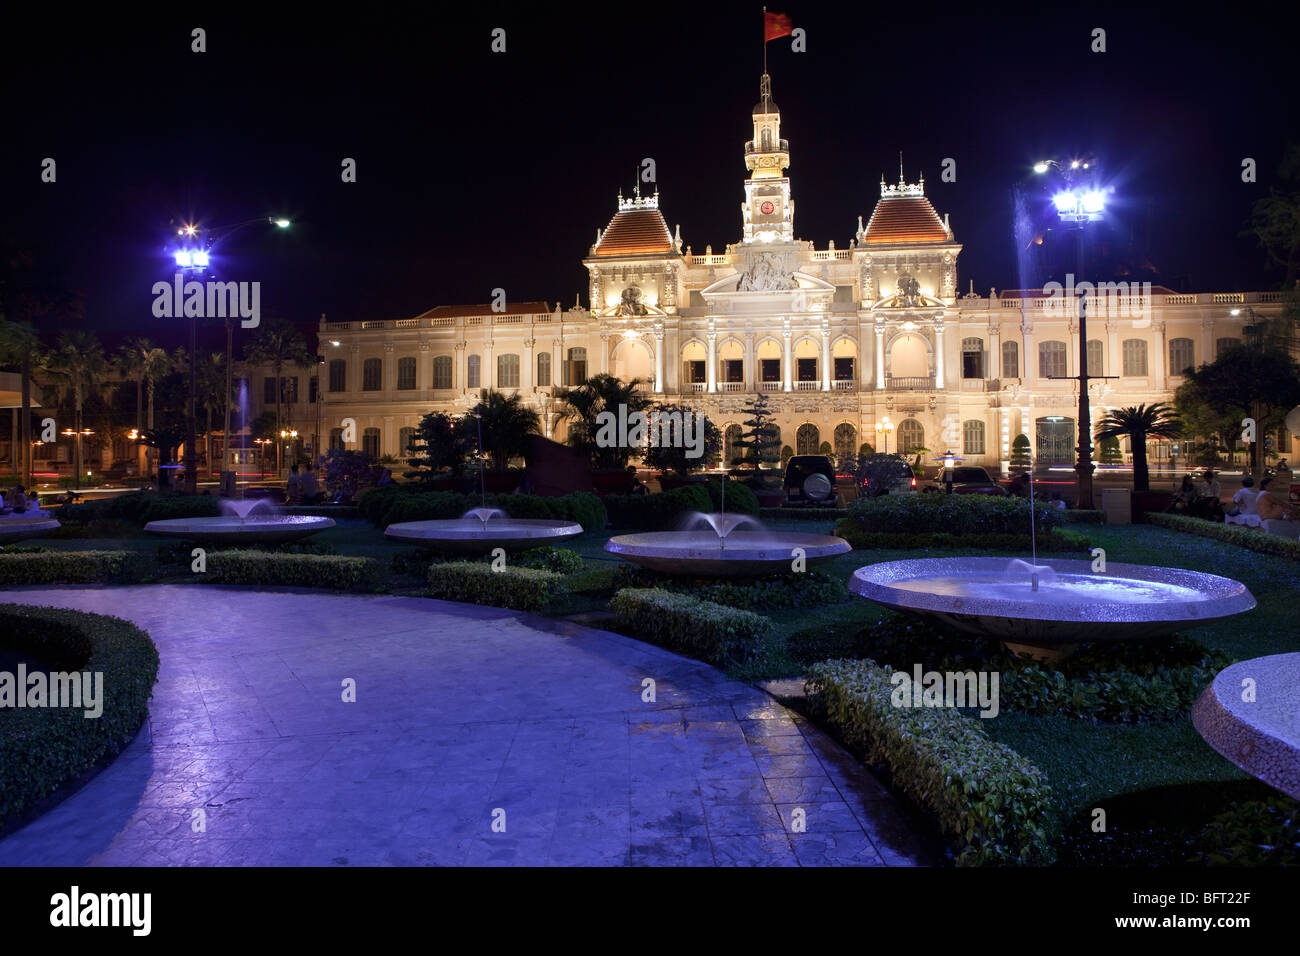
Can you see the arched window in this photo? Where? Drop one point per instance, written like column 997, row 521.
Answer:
column 1222, row 345
column 472, row 372
column 972, row 357
column 1135, row 358
column 442, row 371
column 732, row 450
column 543, row 368
column 406, row 373
column 1011, row 359
column 336, row 439
column 370, row 442
column 972, row 433
column 404, row 439
column 911, row 436
column 372, row 375
column 338, row 375
column 806, row 439
column 1182, row 356
column 1096, row 357
column 507, row 371
column 846, row 441
column 1051, row 360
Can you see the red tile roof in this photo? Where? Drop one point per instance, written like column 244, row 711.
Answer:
column 512, row 308
column 905, row 219
column 636, row 232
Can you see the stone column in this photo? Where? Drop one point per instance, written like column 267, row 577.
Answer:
column 711, row 363
column 526, row 374
column 557, row 362
column 424, row 371
column 487, row 368
column 390, row 372
column 354, row 373
column 462, row 373
column 826, row 360
column 938, row 355
column 659, row 361
column 880, row 356
column 787, row 364
column 750, row 373
column 604, row 353
column 995, row 353
column 1159, row 360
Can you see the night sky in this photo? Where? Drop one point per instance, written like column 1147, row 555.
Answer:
column 478, row 170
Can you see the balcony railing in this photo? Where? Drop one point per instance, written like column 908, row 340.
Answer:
column 770, row 386
column 696, row 386
column 731, row 386
column 843, row 385
column 813, row 386
column 909, row 383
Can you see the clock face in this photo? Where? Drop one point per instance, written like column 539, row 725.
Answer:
column 766, row 208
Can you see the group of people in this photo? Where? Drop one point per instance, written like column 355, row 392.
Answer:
column 1199, row 499
column 303, row 488
column 14, row 502
column 1263, row 502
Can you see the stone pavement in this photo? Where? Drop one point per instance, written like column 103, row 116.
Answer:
column 460, row 712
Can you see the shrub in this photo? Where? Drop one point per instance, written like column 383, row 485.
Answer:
column 739, row 498
column 276, row 569
column 952, row 514
column 75, row 567
column 987, row 798
column 658, row 511
column 385, row 506
column 1254, row 539
column 557, row 560
column 41, row 749
column 805, row 514
column 1054, row 540
column 523, row 589
column 1253, row 833
column 142, row 507
column 713, row 633
column 808, row 589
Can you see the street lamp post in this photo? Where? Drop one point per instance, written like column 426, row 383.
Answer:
column 884, row 427
column 1080, row 205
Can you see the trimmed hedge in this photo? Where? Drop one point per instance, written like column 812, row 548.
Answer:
column 272, row 569
column 558, row 560
column 41, row 749
column 808, row 589
column 393, row 504
column 951, row 514
column 1085, row 516
column 521, row 589
column 740, row 498
column 660, row 511
column 75, row 567
column 805, row 514
column 1055, row 539
column 713, row 633
column 1253, row 539
column 142, row 507
column 987, row 798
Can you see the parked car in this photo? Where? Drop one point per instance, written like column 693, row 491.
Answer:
column 907, row 486
column 970, row 480
column 810, row 480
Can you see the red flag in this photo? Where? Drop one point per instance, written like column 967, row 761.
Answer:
column 776, row 25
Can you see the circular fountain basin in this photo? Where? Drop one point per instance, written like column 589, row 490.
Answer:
column 20, row 529
column 232, row 530
column 471, row 536
column 1260, row 735
column 977, row 595
column 743, row 554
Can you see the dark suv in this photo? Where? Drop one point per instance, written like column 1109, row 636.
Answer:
column 970, row 480
column 810, row 480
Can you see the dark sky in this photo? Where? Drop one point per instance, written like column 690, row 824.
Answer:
column 478, row 170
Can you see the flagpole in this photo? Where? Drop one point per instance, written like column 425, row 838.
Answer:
column 765, row 41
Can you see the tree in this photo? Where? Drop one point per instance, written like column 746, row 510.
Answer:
column 1020, row 453
column 825, row 448
column 1248, row 381
column 1275, row 219
column 278, row 344
column 1110, row 452
column 441, row 443
column 760, row 442
column 866, row 448
column 878, row 474
column 582, row 406
column 21, row 346
column 79, row 367
column 507, row 422
column 672, row 455
column 167, row 439
column 1141, row 423
column 211, row 385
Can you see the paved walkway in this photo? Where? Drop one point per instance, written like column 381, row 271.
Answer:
column 460, row 711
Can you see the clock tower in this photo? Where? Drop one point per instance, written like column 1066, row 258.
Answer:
column 768, row 210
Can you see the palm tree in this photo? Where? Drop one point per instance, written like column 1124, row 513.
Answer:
column 584, row 403
column 211, row 375
column 507, row 422
column 278, row 344
column 78, row 364
column 1140, row 423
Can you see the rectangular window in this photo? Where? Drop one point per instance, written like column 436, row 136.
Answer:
column 442, row 371
column 807, row 369
column 844, row 369
column 268, row 391
column 1010, row 360
column 289, row 389
column 313, row 389
column 338, row 375
column 406, row 373
column 733, row 370
column 770, row 369
column 972, row 358
column 372, row 375
column 695, row 372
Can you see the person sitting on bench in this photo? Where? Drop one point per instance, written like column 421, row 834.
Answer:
column 1268, row 507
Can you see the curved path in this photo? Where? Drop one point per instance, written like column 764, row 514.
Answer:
column 460, row 712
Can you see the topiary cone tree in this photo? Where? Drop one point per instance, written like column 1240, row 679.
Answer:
column 1020, row 455
column 760, row 442
column 1141, row 423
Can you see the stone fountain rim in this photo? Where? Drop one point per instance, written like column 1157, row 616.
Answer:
column 457, row 529
column 1230, row 596
column 736, row 548
column 234, row 526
